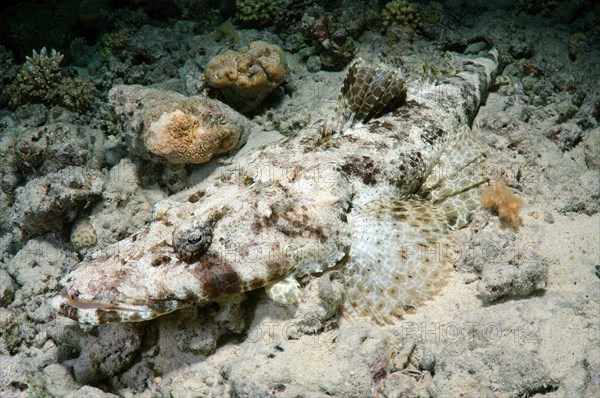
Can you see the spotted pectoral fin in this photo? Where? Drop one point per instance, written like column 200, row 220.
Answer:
column 285, row 291
column 398, row 259
column 367, row 93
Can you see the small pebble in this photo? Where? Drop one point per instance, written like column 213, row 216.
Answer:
column 548, row 217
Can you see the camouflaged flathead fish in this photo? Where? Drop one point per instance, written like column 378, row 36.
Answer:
column 374, row 191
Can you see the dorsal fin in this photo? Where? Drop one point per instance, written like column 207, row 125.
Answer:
column 367, row 92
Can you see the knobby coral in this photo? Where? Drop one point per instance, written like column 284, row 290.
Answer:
column 244, row 78
column 256, row 12
column 403, row 14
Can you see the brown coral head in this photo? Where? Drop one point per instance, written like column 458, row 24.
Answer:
column 222, row 71
column 271, row 59
column 244, row 78
column 181, row 124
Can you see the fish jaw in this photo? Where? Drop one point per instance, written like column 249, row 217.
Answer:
column 125, row 284
column 96, row 313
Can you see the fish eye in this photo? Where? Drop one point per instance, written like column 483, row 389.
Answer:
column 192, row 240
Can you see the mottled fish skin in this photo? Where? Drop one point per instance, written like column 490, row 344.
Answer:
column 284, row 211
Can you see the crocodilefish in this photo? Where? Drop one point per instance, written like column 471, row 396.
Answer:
column 374, row 191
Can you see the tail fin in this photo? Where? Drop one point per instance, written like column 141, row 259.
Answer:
column 367, row 93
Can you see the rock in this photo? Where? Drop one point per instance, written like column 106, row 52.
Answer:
column 10, row 335
column 476, row 48
column 313, row 63
column 361, row 352
column 54, row 146
column 47, row 203
column 516, row 371
column 58, row 380
column 199, row 380
column 18, row 378
column 565, row 135
column 397, row 385
column 90, row 392
column 38, row 267
column 198, row 332
column 244, row 78
column 125, row 206
column 592, row 388
column 104, row 354
column 7, row 288
column 164, row 125
column 510, row 280
column 509, row 266
column 520, row 49
column 548, row 217
column 591, row 149
column 320, row 305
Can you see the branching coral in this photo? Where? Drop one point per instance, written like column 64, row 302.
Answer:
column 41, row 79
column 403, row 14
column 502, row 200
column 244, row 78
column 38, row 77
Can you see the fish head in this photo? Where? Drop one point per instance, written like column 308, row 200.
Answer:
column 206, row 248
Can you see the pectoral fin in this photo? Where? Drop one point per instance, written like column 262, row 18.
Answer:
column 399, row 258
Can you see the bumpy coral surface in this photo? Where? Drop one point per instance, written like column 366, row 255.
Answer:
column 176, row 128
column 83, row 235
column 244, row 78
column 258, row 12
column 404, row 14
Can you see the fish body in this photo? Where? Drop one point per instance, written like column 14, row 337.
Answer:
column 374, row 191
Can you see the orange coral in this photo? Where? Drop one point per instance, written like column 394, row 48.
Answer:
column 502, row 200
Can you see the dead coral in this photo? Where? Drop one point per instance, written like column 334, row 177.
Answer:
column 501, row 199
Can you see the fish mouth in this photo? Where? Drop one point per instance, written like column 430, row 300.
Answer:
column 97, row 313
